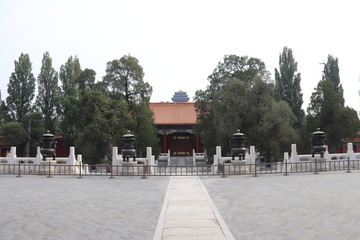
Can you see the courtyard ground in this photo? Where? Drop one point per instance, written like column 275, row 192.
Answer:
column 298, row 206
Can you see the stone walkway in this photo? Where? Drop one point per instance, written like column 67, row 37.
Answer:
column 189, row 213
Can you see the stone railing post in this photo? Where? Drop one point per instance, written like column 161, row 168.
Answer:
column 285, row 167
column 72, row 159
column 350, row 151
column 218, row 154
column 168, row 157
column 115, row 156
column 252, row 155
column 149, row 156
column 12, row 157
column 294, row 156
column 38, row 156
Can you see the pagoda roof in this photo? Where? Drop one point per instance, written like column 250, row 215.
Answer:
column 174, row 113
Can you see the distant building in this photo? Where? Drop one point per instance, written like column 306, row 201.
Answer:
column 180, row 96
column 174, row 123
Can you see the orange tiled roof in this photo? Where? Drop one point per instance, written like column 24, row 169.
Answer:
column 174, row 113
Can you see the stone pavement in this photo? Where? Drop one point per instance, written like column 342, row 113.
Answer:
column 189, row 213
column 300, row 206
column 91, row 208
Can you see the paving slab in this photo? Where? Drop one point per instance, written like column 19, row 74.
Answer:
column 188, row 213
column 295, row 207
column 67, row 208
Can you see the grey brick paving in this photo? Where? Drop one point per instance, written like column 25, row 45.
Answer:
column 35, row 207
column 299, row 206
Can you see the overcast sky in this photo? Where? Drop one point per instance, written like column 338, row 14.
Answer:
column 179, row 43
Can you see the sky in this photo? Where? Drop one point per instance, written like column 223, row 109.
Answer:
column 180, row 43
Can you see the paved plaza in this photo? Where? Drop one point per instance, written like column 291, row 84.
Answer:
column 298, row 206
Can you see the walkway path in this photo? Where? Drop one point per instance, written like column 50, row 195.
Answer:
column 189, row 213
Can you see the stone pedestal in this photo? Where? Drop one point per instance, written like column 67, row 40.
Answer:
column 47, row 167
column 236, row 167
column 128, row 168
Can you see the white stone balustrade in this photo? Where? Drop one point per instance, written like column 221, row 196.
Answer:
column 32, row 163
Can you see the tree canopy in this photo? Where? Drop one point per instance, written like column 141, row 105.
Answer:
column 238, row 97
column 287, row 82
column 21, row 89
column 327, row 111
column 48, row 92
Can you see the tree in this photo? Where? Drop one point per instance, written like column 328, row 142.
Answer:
column 124, row 80
column 3, row 111
column 287, row 81
column 125, row 77
column 145, row 130
column 245, row 70
column 105, row 120
column 331, row 72
column 34, row 125
column 327, row 111
column 48, row 92
column 86, row 80
column 233, row 66
column 21, row 89
column 13, row 133
column 69, row 75
column 252, row 108
column 69, row 108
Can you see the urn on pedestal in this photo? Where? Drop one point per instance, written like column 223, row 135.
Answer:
column 237, row 143
column 48, row 145
column 318, row 143
column 128, row 147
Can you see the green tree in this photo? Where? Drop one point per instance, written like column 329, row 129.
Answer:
column 233, row 66
column 145, row 130
column 327, row 111
column 3, row 111
column 21, row 89
column 105, row 120
column 34, row 125
column 69, row 75
column 69, row 108
column 48, row 92
column 287, row 81
column 124, row 80
column 124, row 77
column 251, row 107
column 86, row 80
column 13, row 133
column 331, row 72
column 244, row 69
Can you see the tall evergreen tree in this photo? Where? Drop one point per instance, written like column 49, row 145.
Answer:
column 124, row 79
column 327, row 111
column 245, row 70
column 21, row 89
column 48, row 92
column 3, row 111
column 331, row 72
column 69, row 101
column 287, row 81
column 105, row 119
column 86, row 80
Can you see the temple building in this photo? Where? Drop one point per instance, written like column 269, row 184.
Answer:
column 174, row 123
